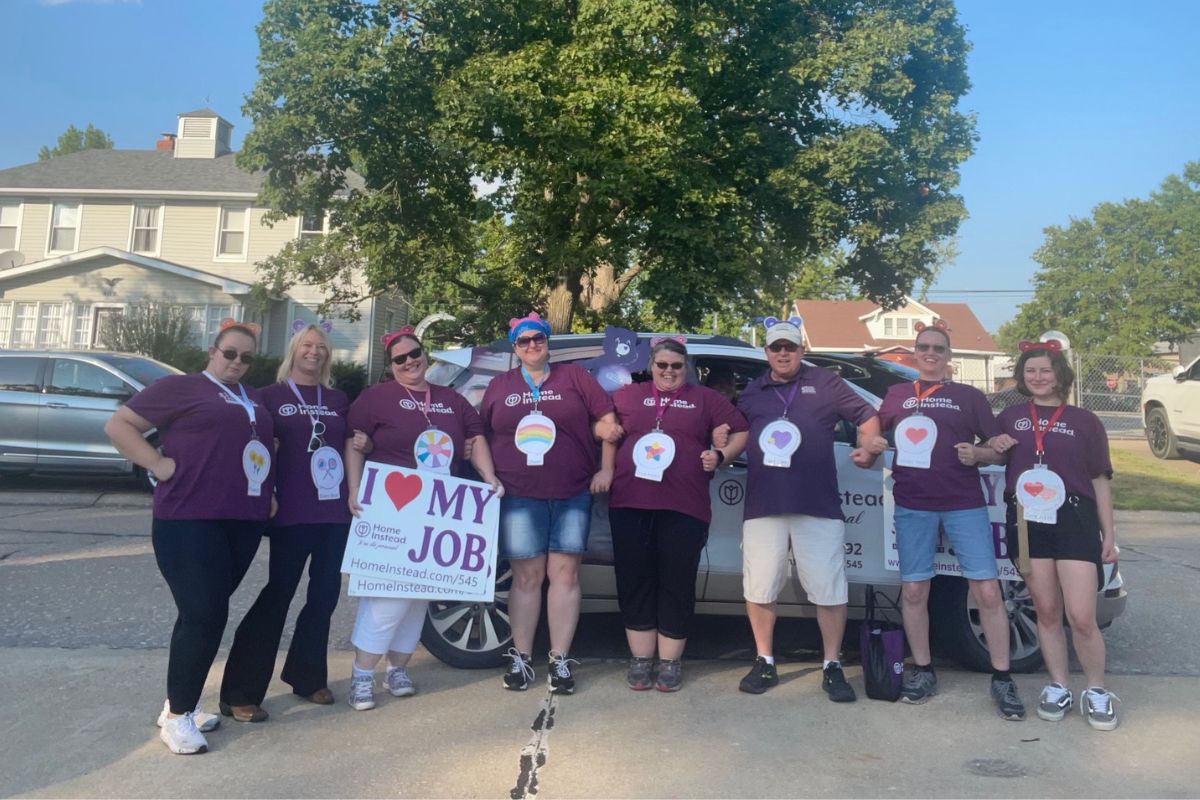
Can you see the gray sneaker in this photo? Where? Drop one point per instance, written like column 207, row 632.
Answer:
column 670, row 675
column 398, row 682
column 640, row 675
column 1008, row 702
column 362, row 692
column 1096, row 705
column 1055, row 702
column 919, row 686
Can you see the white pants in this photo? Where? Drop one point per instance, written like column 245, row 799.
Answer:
column 388, row 624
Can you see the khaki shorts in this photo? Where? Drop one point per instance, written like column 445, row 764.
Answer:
column 818, row 546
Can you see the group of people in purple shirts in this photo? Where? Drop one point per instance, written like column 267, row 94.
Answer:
column 285, row 462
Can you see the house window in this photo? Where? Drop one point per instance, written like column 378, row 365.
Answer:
column 50, row 324
column 64, row 228
column 6, row 310
column 889, row 326
column 312, row 225
column 24, row 324
column 231, row 236
column 144, row 238
column 10, row 212
column 205, row 321
column 81, row 331
column 902, row 326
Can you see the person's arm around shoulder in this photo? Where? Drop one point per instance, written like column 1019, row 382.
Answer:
column 126, row 428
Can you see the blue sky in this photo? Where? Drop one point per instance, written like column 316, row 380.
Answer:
column 1078, row 102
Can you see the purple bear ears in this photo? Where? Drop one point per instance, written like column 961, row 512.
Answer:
column 794, row 321
column 299, row 325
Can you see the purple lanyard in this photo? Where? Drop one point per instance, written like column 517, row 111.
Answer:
column 296, row 391
column 787, row 403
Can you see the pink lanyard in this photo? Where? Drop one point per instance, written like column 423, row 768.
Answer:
column 661, row 407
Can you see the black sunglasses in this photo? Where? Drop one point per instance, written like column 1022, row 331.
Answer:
column 317, row 441
column 525, row 341
column 232, row 355
column 400, row 358
column 783, row 347
column 922, row 347
column 666, row 365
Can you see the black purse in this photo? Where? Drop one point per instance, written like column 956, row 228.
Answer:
column 881, row 644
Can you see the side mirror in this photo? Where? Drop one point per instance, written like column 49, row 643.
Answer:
column 1180, row 374
column 116, row 392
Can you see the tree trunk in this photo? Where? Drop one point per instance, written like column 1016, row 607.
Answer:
column 563, row 297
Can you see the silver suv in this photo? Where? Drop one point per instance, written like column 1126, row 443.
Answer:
column 53, row 406
column 476, row 635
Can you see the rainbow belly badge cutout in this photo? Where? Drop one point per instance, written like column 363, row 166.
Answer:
column 534, row 436
column 652, row 454
column 434, row 451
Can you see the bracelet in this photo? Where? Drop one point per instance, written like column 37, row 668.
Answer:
column 720, row 456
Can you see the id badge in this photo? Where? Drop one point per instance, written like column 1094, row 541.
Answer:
column 434, row 451
column 778, row 441
column 256, row 463
column 652, row 454
column 1041, row 492
column 327, row 473
column 534, row 436
column 915, row 437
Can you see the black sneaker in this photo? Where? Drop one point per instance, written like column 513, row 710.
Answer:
column 520, row 673
column 640, row 675
column 762, row 676
column 560, row 678
column 835, row 685
column 919, row 685
column 1008, row 702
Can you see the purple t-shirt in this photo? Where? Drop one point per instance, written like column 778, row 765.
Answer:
column 294, row 488
column 962, row 414
column 388, row 414
column 809, row 485
column 689, row 419
column 1076, row 447
column 573, row 400
column 205, row 432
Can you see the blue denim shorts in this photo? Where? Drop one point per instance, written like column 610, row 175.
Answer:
column 969, row 532
column 530, row 527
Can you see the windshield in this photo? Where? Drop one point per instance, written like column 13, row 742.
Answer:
column 908, row 373
column 143, row 370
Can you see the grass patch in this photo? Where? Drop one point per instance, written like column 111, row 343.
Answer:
column 1143, row 483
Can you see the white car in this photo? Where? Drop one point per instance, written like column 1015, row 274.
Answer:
column 1171, row 410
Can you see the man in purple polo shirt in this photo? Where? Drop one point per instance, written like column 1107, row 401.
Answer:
column 792, row 497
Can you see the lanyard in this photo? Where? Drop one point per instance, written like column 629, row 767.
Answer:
column 921, row 395
column 787, row 402
column 303, row 402
column 1039, row 430
column 535, row 388
column 661, row 402
column 243, row 401
column 424, row 407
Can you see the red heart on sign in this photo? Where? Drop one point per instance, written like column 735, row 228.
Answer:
column 402, row 489
column 915, row 435
column 1035, row 489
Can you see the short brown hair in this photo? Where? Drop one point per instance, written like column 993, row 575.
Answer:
column 1063, row 374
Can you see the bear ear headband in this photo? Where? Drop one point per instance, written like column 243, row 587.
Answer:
column 793, row 320
column 1054, row 346
column 655, row 341
column 531, row 321
column 938, row 325
column 388, row 338
column 299, row 325
column 230, row 322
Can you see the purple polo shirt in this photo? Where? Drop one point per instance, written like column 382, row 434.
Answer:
column 689, row 419
column 962, row 414
column 809, row 486
column 205, row 432
column 573, row 400
column 294, row 488
column 1076, row 447
column 388, row 414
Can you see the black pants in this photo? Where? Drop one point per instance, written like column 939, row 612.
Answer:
column 655, row 556
column 252, row 658
column 203, row 561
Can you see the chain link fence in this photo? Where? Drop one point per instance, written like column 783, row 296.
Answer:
column 1111, row 387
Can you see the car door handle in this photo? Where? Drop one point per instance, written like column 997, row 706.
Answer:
column 57, row 405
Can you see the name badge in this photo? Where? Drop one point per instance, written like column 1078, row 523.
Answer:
column 534, row 436
column 652, row 454
column 778, row 441
column 256, row 463
column 434, row 451
column 327, row 473
column 915, row 437
column 1041, row 492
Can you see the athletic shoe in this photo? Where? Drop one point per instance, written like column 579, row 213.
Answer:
column 762, row 676
column 919, row 685
column 398, row 682
column 640, row 675
column 250, row 713
column 1097, row 707
column 1055, row 702
column 670, row 675
column 181, row 735
column 204, row 722
column 835, row 685
column 520, row 672
column 362, row 692
column 560, row 679
column 1008, row 703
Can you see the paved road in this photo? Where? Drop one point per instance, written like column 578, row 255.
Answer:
column 85, row 619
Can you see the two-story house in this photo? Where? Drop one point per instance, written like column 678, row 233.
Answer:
column 860, row 326
column 84, row 236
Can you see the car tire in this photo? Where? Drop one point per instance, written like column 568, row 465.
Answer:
column 1159, row 435
column 471, row 635
column 958, row 634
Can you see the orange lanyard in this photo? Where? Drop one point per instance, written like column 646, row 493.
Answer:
column 921, row 395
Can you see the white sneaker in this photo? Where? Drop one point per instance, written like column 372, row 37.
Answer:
column 206, row 723
column 1098, row 708
column 362, row 692
column 1055, row 702
column 182, row 736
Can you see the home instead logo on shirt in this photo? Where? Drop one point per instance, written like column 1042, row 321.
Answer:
column 932, row 402
column 291, row 409
column 434, row 408
column 1025, row 424
column 516, row 399
column 650, row 402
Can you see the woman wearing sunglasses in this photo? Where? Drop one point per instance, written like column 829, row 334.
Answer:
column 542, row 426
column 310, row 528
column 659, row 506
column 211, row 506
column 415, row 424
column 938, row 426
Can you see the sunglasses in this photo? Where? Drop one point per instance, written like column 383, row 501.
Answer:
column 400, row 358
column 232, row 355
column 525, row 342
column 937, row 348
column 783, row 347
column 317, row 441
column 666, row 365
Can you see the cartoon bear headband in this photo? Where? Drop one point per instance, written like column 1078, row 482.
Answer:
column 938, row 325
column 299, row 325
column 388, row 338
column 1053, row 346
column 655, row 341
column 530, row 323
column 788, row 330
column 230, row 322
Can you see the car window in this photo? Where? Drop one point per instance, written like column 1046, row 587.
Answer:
column 847, row 371
column 143, row 370
column 1194, row 372
column 729, row 376
column 20, row 374
column 69, row 376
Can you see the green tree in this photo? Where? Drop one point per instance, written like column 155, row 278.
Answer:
column 1122, row 279
column 74, row 140
column 157, row 330
column 686, row 154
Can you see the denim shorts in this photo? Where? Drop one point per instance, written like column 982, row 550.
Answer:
column 969, row 532
column 530, row 527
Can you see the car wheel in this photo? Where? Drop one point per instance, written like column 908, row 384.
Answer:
column 1159, row 434
column 957, row 629
column 471, row 635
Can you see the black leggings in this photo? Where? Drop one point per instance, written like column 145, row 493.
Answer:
column 252, row 658
column 656, row 555
column 203, row 561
